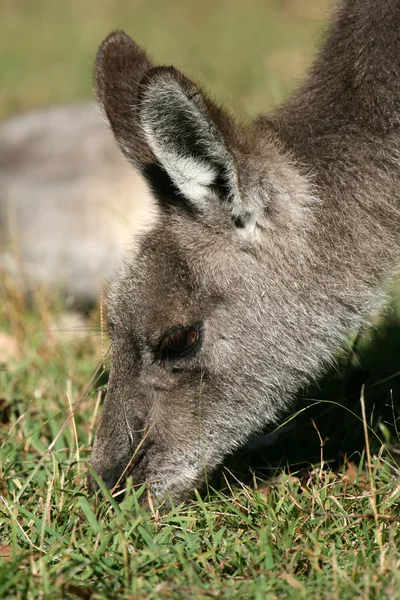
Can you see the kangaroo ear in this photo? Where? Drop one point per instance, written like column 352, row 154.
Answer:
column 120, row 66
column 184, row 131
column 180, row 140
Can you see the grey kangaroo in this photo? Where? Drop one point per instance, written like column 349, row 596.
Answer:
column 272, row 241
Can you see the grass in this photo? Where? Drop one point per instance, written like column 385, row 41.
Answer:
column 305, row 531
column 309, row 534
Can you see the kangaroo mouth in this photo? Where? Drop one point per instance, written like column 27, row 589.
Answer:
column 136, row 466
column 115, row 479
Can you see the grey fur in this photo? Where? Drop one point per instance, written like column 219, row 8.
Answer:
column 288, row 248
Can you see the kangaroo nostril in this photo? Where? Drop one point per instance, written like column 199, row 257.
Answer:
column 110, row 478
column 114, row 473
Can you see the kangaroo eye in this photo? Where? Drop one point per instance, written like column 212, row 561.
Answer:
column 178, row 342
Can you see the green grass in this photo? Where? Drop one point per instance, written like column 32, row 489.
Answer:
column 306, row 532
column 305, row 535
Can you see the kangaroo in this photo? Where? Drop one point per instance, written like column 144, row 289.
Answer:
column 272, row 241
column 68, row 200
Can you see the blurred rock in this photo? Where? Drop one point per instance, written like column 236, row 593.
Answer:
column 68, row 202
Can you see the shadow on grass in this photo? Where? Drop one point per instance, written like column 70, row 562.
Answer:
column 330, row 412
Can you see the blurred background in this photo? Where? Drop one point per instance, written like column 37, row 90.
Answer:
column 249, row 54
column 68, row 201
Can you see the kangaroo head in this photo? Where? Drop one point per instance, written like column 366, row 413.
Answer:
column 245, row 284
column 197, row 354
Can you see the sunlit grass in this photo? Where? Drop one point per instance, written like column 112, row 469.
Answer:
column 308, row 534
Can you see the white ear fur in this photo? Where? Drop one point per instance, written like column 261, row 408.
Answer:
column 183, row 139
column 185, row 142
column 192, row 176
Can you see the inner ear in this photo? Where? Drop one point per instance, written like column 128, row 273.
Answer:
column 186, row 145
column 183, row 137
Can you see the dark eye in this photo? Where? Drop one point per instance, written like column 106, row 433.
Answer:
column 178, row 342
